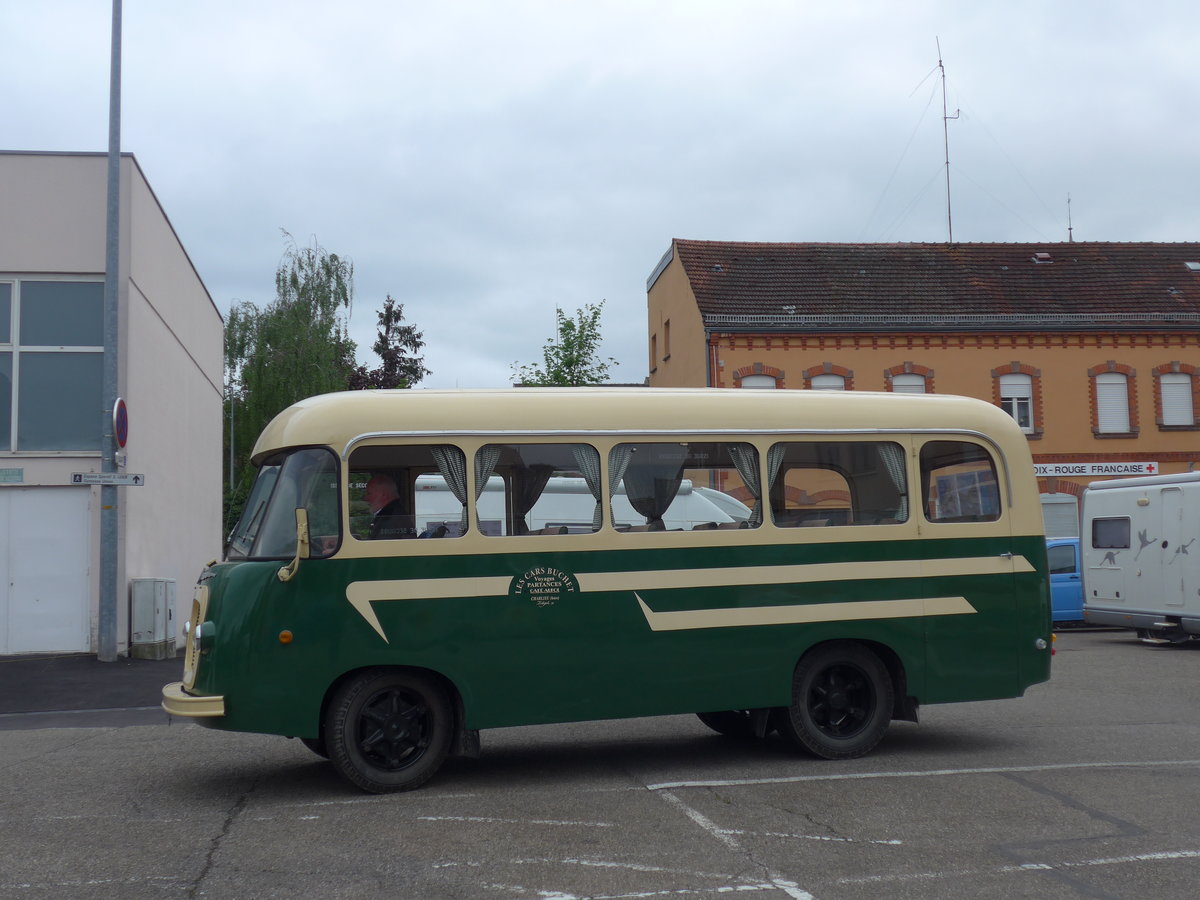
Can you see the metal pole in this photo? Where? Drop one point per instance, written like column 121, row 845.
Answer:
column 109, row 524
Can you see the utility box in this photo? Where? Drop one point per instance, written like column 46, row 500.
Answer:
column 152, row 618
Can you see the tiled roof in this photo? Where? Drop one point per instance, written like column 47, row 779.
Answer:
column 1073, row 285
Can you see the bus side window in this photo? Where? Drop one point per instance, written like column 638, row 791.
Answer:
column 403, row 491
column 959, row 482
column 684, row 486
column 538, row 489
column 819, row 483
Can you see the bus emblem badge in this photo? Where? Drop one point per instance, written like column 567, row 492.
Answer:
column 544, row 586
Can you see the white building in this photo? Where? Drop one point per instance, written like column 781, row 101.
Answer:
column 52, row 257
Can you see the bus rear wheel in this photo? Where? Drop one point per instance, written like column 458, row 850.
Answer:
column 388, row 730
column 841, row 702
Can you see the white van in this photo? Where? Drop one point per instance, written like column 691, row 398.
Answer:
column 1141, row 555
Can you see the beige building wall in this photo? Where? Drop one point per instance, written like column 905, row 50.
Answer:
column 52, row 224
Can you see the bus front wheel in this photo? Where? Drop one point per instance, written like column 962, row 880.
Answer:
column 388, row 730
column 841, row 702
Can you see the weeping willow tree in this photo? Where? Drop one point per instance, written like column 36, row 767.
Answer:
column 296, row 347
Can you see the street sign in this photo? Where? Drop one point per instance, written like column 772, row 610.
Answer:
column 125, row 479
column 120, row 423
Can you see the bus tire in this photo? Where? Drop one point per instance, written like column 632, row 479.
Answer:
column 729, row 722
column 389, row 730
column 841, row 702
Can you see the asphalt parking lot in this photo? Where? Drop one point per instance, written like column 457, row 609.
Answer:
column 1086, row 787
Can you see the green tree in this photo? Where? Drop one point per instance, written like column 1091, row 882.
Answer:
column 393, row 344
column 571, row 356
column 296, row 347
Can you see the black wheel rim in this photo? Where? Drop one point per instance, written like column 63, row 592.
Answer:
column 841, row 700
column 394, row 729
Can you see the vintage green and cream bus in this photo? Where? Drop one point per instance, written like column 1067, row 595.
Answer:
column 414, row 566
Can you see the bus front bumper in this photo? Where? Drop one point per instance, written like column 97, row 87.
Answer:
column 178, row 702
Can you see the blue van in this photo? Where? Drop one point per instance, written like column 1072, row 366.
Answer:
column 1066, row 586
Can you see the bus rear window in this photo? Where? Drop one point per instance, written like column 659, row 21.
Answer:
column 960, row 484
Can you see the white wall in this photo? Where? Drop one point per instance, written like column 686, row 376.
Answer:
column 52, row 222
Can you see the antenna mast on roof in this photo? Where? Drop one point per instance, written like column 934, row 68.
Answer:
column 1070, row 235
column 946, row 139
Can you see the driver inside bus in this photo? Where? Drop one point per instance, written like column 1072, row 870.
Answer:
column 388, row 519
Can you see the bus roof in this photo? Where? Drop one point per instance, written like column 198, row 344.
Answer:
column 340, row 419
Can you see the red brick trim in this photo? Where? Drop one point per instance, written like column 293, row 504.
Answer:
column 759, row 369
column 828, row 368
column 1176, row 367
column 908, row 368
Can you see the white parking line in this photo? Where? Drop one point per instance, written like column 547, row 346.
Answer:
column 931, row 773
column 790, row 888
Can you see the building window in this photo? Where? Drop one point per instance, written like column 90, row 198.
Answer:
column 51, row 365
column 908, row 384
column 1017, row 389
column 759, row 381
column 828, row 383
column 653, row 352
column 1016, row 399
column 1175, row 399
column 1114, row 413
column 758, row 376
column 828, row 377
column 666, row 340
column 908, row 378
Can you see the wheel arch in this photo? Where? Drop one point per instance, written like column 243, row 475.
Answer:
column 904, row 706
column 464, row 742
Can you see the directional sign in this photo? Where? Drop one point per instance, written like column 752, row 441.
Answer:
column 118, row 478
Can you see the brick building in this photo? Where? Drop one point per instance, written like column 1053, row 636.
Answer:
column 1093, row 347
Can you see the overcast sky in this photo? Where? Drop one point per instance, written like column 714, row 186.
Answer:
column 485, row 162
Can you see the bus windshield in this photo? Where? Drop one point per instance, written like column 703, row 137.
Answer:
column 303, row 479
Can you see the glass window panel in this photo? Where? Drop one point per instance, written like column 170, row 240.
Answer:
column 59, row 403
column 400, row 491
column 5, row 313
column 1111, row 534
column 818, row 483
column 959, row 482
column 5, row 401
column 62, row 313
column 538, row 489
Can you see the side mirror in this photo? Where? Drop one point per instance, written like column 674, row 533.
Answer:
column 288, row 572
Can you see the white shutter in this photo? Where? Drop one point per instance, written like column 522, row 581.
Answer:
column 1112, row 403
column 759, row 381
column 1016, row 387
column 1061, row 515
column 828, row 383
column 908, row 384
column 1176, row 390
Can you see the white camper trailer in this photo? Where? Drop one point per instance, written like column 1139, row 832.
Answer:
column 1141, row 556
